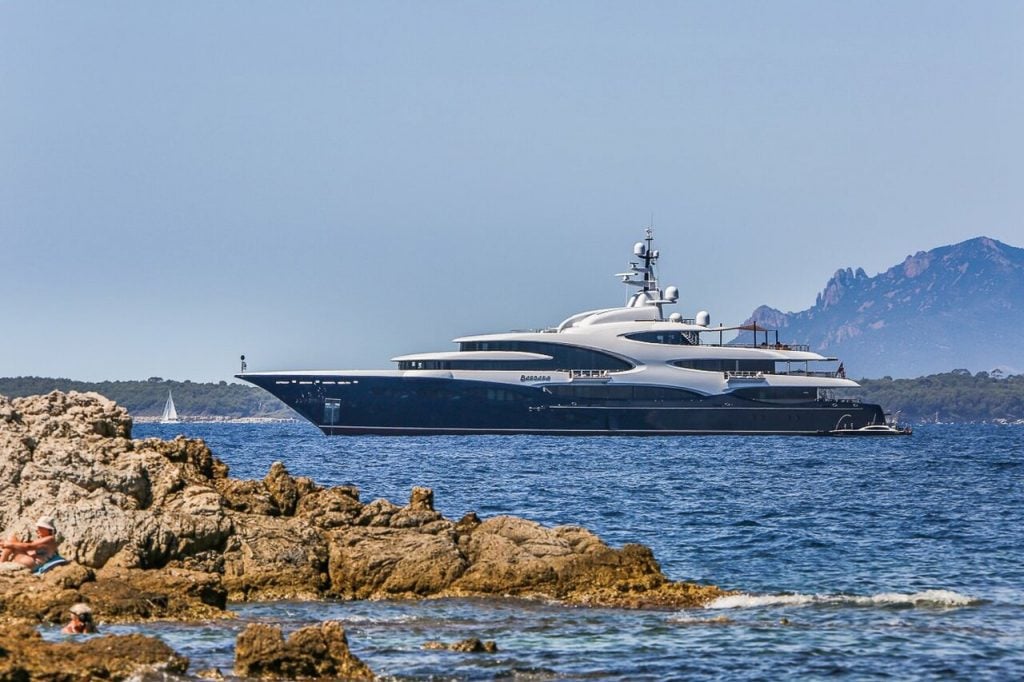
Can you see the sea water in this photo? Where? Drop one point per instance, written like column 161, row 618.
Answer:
column 860, row 558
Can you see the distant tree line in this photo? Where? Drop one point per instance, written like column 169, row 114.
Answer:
column 956, row 396
column 147, row 398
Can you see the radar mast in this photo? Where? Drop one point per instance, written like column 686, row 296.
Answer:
column 646, row 277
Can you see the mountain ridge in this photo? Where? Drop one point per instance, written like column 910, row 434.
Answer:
column 954, row 306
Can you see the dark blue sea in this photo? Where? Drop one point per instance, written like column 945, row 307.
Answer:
column 855, row 558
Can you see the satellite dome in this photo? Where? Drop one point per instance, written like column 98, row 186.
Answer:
column 675, row 317
column 639, row 249
column 672, row 294
column 703, row 318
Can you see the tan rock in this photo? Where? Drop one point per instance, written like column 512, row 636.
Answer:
column 120, row 594
column 168, row 534
column 248, row 497
column 331, row 508
column 319, row 651
column 42, row 599
column 509, row 555
column 282, row 488
column 275, row 557
column 421, row 499
column 472, row 645
column 115, row 594
column 26, row 656
column 390, row 563
column 377, row 513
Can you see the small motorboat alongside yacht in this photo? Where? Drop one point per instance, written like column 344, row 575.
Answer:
column 874, row 430
column 890, row 427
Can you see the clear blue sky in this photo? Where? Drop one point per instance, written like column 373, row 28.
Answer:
column 331, row 184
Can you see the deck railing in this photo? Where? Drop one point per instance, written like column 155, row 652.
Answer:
column 740, row 374
column 765, row 346
column 588, row 373
column 793, row 373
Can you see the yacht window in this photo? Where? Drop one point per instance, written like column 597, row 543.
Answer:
column 424, row 364
column 676, row 338
column 778, row 394
column 717, row 365
column 563, row 356
column 612, row 393
column 332, row 410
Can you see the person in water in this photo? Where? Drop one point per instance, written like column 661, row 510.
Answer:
column 81, row 621
column 33, row 553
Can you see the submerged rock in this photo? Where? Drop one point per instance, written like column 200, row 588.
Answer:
column 317, row 651
column 472, row 645
column 157, row 529
column 24, row 655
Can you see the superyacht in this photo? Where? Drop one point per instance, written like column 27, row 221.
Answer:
column 629, row 370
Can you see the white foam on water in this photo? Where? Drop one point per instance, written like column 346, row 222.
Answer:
column 743, row 601
column 941, row 598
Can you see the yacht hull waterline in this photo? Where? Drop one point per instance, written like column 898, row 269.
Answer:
column 614, row 371
column 452, row 407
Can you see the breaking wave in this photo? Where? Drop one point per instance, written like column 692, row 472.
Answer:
column 927, row 598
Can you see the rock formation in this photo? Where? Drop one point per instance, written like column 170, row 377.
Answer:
column 317, row 651
column 473, row 645
column 25, row 656
column 956, row 306
column 158, row 529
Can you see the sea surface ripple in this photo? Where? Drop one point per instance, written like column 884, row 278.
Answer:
column 857, row 558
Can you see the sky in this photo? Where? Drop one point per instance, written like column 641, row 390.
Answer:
column 332, row 184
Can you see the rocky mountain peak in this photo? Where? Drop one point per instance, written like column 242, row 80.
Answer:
column 840, row 282
column 952, row 306
column 769, row 317
column 916, row 264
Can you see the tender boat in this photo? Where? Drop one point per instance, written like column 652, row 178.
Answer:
column 628, row 370
column 890, row 427
column 874, row 430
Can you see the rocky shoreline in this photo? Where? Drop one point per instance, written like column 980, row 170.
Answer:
column 158, row 530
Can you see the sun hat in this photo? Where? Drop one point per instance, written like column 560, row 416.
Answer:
column 45, row 522
column 81, row 609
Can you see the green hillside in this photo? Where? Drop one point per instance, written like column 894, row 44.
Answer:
column 956, row 396
column 146, row 398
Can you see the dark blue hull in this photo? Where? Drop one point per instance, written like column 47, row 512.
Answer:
column 359, row 405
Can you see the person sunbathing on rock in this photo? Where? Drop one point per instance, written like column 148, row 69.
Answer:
column 33, row 553
column 81, row 621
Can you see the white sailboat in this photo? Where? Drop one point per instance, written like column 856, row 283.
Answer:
column 170, row 415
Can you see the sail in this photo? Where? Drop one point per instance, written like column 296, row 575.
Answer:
column 170, row 414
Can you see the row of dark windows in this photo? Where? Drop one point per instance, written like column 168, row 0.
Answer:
column 581, row 358
column 562, row 356
column 490, row 365
column 778, row 393
column 715, row 365
column 619, row 393
column 673, row 338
